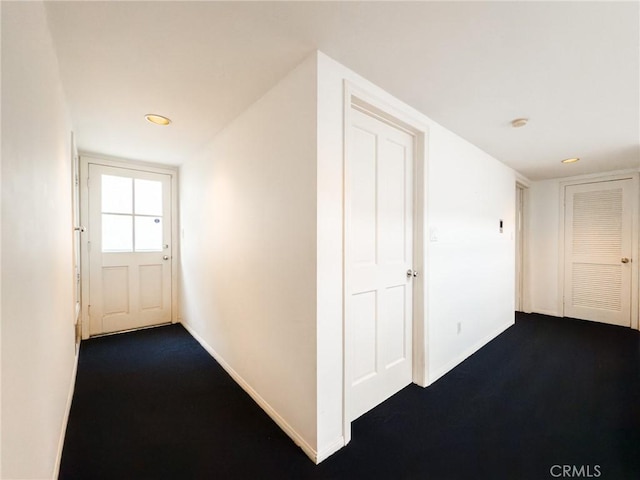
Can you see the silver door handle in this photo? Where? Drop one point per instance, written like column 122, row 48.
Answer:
column 165, row 257
column 412, row 273
column 625, row 260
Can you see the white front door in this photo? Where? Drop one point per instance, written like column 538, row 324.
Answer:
column 379, row 221
column 129, row 249
column 598, row 251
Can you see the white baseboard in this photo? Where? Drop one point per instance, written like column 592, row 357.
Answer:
column 551, row 313
column 332, row 448
column 65, row 419
column 275, row 416
column 467, row 353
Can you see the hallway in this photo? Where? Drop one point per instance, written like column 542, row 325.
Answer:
column 259, row 100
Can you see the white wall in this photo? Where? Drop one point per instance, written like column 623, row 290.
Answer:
column 470, row 268
column 37, row 299
column 0, row 251
column 329, row 256
column 248, row 251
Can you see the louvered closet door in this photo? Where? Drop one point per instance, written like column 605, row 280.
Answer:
column 598, row 252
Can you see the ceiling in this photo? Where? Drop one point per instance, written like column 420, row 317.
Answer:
column 572, row 68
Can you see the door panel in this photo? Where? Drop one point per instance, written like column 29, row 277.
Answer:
column 115, row 290
column 129, row 243
column 380, row 225
column 365, row 328
column 394, row 325
column 150, row 287
column 598, row 238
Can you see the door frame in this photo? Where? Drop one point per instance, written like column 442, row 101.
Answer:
column 359, row 98
column 635, row 244
column 78, row 231
column 522, row 247
column 85, row 160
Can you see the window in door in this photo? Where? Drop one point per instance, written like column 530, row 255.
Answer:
column 131, row 215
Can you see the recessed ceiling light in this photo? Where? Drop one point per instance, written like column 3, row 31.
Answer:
column 157, row 119
column 570, row 160
column 519, row 122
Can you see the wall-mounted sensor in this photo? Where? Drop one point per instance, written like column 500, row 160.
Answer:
column 501, row 226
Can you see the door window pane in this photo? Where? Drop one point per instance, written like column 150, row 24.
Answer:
column 117, row 194
column 117, row 233
column 148, row 195
column 148, row 234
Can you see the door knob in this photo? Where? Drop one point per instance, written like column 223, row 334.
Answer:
column 165, row 257
column 412, row 273
column 625, row 260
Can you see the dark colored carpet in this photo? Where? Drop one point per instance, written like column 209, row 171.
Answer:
column 154, row 405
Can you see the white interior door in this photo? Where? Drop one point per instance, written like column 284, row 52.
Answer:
column 129, row 249
column 598, row 251
column 379, row 297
